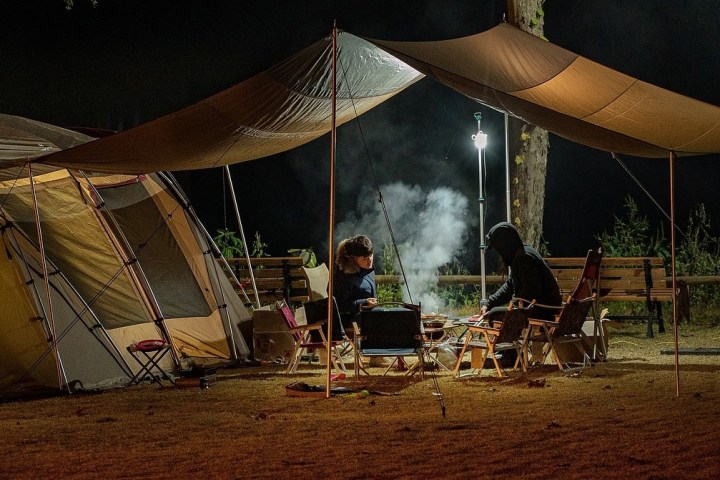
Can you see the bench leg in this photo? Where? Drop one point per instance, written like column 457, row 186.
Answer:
column 661, row 323
column 649, row 323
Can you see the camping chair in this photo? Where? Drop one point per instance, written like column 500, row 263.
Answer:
column 389, row 332
column 317, row 281
column 502, row 333
column 567, row 326
column 313, row 335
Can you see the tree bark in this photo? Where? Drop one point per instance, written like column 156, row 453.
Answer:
column 530, row 144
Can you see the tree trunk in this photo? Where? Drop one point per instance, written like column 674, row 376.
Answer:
column 528, row 144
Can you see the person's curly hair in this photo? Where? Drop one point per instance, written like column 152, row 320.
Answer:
column 357, row 246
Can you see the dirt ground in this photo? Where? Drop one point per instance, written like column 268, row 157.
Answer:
column 618, row 419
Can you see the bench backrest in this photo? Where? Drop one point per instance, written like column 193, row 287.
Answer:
column 276, row 278
column 618, row 275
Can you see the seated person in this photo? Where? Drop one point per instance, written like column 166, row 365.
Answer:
column 530, row 277
column 354, row 278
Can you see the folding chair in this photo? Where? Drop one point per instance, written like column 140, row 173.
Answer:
column 317, row 281
column 148, row 354
column 503, row 332
column 566, row 327
column 389, row 332
column 313, row 335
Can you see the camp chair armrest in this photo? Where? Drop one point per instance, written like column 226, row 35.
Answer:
column 537, row 322
column 550, row 307
column 480, row 329
column 591, row 298
column 307, row 328
column 522, row 303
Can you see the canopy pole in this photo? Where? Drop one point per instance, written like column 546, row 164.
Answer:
column 242, row 234
column 674, row 277
column 46, row 278
column 331, row 212
column 507, row 168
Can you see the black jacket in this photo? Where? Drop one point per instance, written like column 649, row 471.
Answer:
column 351, row 291
column 530, row 277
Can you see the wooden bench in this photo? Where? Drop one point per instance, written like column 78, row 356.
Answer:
column 624, row 279
column 276, row 278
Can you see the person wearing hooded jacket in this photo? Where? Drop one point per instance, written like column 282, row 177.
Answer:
column 354, row 277
column 530, row 277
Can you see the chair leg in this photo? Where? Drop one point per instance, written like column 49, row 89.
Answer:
column 390, row 366
column 490, row 352
column 519, row 360
column 337, row 359
column 294, row 359
column 456, row 370
column 356, row 355
column 552, row 350
column 524, row 349
column 421, row 362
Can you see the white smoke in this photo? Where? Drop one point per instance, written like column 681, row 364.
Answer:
column 430, row 230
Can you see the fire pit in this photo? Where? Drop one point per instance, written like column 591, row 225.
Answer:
column 434, row 320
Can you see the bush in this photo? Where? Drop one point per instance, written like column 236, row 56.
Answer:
column 388, row 292
column 699, row 254
column 231, row 245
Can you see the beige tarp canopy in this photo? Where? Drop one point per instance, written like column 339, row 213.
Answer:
column 277, row 110
column 567, row 94
column 504, row 68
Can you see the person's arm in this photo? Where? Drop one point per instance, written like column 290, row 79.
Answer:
column 366, row 289
column 503, row 294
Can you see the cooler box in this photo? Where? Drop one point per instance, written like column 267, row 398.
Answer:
column 569, row 352
column 271, row 336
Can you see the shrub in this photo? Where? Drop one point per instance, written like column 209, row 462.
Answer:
column 699, row 254
column 231, row 246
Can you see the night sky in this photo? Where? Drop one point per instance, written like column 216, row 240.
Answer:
column 129, row 61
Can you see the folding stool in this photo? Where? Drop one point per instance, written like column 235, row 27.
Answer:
column 148, row 354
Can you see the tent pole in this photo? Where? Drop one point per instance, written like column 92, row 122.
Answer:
column 179, row 195
column 132, row 263
column 242, row 234
column 46, row 279
column 674, row 277
column 183, row 200
column 331, row 213
column 28, row 270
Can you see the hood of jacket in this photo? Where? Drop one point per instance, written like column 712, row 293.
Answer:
column 504, row 239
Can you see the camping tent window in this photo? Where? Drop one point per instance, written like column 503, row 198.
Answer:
column 157, row 250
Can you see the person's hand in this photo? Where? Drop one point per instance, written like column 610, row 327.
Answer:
column 371, row 302
column 483, row 310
